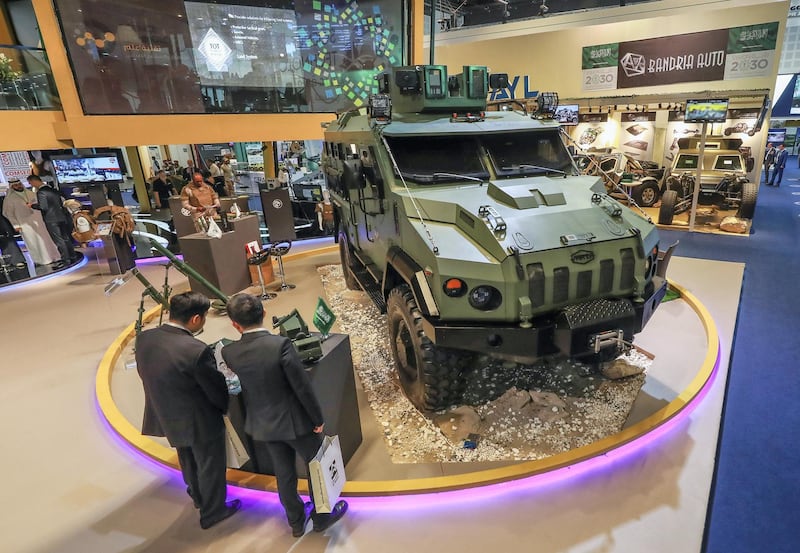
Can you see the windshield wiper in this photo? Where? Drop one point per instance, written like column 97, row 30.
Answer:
column 442, row 176
column 523, row 166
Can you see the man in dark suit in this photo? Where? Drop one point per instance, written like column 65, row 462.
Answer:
column 58, row 224
column 185, row 398
column 282, row 410
column 780, row 165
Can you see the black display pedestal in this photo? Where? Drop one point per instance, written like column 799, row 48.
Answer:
column 221, row 261
column 334, row 384
column 278, row 216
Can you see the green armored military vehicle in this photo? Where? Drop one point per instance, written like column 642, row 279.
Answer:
column 476, row 234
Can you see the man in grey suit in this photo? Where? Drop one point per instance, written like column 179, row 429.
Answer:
column 282, row 410
column 185, row 398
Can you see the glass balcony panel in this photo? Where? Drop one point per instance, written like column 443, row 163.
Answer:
column 26, row 82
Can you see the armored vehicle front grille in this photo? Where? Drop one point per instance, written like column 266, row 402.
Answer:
column 627, row 275
column 560, row 285
column 584, row 284
column 536, row 284
column 606, row 276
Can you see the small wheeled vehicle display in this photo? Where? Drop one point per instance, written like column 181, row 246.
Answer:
column 625, row 177
column 723, row 182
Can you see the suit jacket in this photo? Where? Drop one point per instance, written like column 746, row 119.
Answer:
column 277, row 393
column 51, row 204
column 185, row 395
column 780, row 159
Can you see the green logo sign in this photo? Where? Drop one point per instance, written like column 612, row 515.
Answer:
column 602, row 55
column 753, row 38
column 323, row 317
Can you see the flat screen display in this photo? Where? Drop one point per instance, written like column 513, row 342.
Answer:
column 776, row 136
column 247, row 46
column 87, row 169
column 706, row 111
column 567, row 114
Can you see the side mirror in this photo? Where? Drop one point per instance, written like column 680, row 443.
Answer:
column 750, row 163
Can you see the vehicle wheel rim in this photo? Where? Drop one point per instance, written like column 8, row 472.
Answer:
column 648, row 196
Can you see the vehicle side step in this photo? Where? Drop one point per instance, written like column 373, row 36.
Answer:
column 367, row 282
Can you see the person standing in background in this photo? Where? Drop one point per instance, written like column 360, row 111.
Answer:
column 769, row 160
column 229, row 176
column 58, row 224
column 216, row 174
column 30, row 223
column 185, row 399
column 162, row 189
column 780, row 165
column 189, row 171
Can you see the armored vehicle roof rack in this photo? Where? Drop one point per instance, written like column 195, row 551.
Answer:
column 429, row 89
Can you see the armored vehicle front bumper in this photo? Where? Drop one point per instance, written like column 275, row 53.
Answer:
column 579, row 330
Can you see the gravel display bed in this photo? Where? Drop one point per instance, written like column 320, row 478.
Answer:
column 517, row 412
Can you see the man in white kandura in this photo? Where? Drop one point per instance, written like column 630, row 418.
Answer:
column 16, row 208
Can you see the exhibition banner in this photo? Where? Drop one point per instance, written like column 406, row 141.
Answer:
column 720, row 54
column 15, row 165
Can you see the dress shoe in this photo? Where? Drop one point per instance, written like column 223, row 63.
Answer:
column 338, row 512
column 299, row 529
column 230, row 509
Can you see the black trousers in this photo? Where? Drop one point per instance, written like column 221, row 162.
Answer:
column 203, row 468
column 283, row 455
column 60, row 234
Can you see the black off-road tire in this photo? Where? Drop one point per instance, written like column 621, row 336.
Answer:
column 667, row 210
column 347, row 264
column 431, row 377
column 747, row 207
column 647, row 193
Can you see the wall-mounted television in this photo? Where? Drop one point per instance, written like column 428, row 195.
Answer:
column 567, row 114
column 706, row 111
column 776, row 136
column 87, row 169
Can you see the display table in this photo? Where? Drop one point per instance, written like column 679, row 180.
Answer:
column 221, row 261
column 227, row 202
column 334, row 385
column 184, row 224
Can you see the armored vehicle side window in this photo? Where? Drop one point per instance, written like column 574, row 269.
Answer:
column 527, row 153
column 728, row 163
column 686, row 161
column 424, row 159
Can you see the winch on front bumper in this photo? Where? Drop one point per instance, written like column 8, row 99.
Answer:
column 584, row 329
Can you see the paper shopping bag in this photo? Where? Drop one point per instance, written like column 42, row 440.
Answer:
column 326, row 471
column 235, row 453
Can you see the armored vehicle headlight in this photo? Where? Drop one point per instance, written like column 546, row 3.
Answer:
column 454, row 287
column 485, row 297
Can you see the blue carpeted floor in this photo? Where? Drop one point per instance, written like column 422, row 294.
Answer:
column 755, row 498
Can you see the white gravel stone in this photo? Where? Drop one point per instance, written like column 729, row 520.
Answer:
column 584, row 408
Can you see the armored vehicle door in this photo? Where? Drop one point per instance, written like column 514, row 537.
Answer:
column 375, row 227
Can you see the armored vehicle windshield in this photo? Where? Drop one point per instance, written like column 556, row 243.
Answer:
column 435, row 159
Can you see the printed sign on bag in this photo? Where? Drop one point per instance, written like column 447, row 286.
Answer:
column 326, row 471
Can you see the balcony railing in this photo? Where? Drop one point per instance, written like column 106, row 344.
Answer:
column 26, row 82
